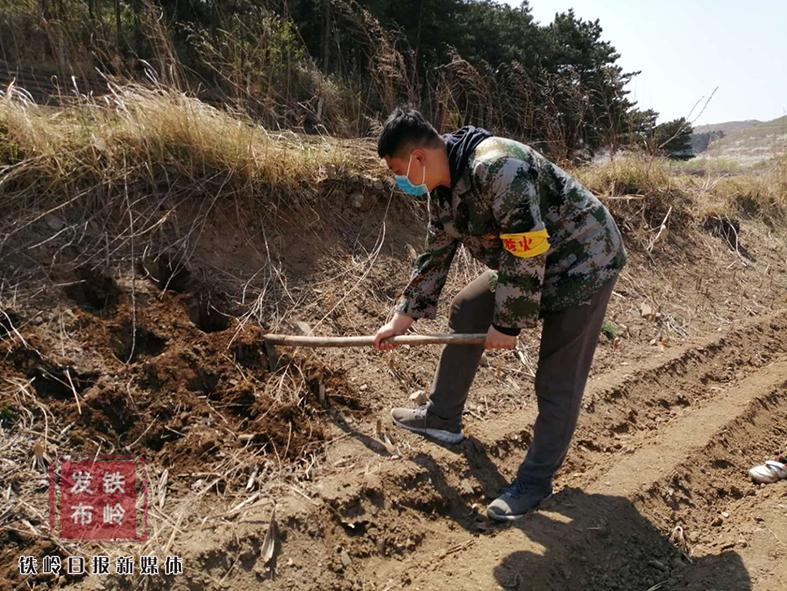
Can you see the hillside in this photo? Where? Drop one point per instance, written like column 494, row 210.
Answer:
column 727, row 127
column 150, row 241
column 745, row 142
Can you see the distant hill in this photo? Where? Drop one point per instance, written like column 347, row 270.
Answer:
column 746, row 142
column 727, row 127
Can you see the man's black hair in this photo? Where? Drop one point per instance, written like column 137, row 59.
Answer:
column 405, row 127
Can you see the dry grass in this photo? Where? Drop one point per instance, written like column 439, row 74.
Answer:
column 138, row 142
column 641, row 194
column 155, row 133
column 634, row 174
column 697, row 192
column 112, row 173
column 760, row 194
column 703, row 166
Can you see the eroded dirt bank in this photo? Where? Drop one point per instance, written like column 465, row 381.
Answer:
column 688, row 389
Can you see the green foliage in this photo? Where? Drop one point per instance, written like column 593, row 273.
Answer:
column 609, row 330
column 556, row 85
column 673, row 139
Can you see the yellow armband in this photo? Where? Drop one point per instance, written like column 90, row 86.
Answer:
column 526, row 244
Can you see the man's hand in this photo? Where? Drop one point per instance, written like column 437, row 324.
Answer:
column 498, row 340
column 398, row 325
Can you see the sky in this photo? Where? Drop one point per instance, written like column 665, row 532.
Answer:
column 686, row 48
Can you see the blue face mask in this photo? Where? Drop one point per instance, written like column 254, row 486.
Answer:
column 405, row 185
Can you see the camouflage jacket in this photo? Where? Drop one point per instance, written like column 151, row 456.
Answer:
column 559, row 243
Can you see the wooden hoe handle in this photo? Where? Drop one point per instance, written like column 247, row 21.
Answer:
column 415, row 339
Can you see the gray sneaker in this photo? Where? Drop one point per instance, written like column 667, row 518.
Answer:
column 516, row 502
column 420, row 421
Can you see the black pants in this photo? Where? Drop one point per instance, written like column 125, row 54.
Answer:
column 568, row 341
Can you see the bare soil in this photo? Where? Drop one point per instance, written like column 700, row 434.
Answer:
column 688, row 390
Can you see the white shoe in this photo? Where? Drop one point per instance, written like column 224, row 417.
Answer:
column 420, row 421
column 770, row 471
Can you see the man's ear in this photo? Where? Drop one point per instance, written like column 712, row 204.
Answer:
column 419, row 154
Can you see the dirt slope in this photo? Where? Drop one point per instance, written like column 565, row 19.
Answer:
column 662, row 500
column 687, row 390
